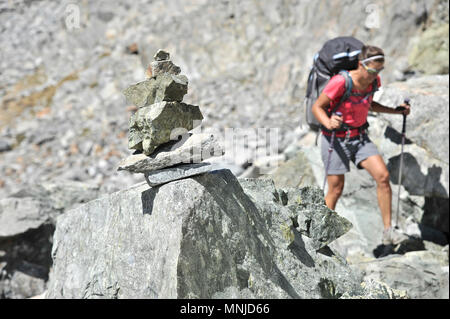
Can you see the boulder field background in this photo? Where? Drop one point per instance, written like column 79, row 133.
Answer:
column 64, row 126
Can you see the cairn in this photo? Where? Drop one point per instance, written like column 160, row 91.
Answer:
column 159, row 134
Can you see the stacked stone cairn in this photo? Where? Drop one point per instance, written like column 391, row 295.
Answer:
column 165, row 150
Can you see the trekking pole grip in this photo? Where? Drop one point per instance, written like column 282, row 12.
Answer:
column 338, row 114
column 334, row 130
column 404, row 124
column 402, row 108
column 406, row 101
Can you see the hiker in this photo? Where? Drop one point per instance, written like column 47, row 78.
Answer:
column 351, row 142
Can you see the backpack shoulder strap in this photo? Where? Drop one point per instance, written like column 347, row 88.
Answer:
column 348, row 84
column 374, row 86
column 374, row 89
column 348, row 88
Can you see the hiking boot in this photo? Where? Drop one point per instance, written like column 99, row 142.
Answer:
column 393, row 236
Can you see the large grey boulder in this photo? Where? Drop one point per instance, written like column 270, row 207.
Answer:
column 151, row 243
column 427, row 125
column 27, row 223
column 314, row 218
column 305, row 208
column 17, row 215
column 374, row 289
column 422, row 274
column 39, row 204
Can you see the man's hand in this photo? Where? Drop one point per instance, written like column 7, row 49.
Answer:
column 334, row 122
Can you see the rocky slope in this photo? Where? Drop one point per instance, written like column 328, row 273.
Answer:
column 63, row 67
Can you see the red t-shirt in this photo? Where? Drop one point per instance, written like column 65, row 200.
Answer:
column 355, row 108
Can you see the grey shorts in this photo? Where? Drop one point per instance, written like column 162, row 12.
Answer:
column 354, row 150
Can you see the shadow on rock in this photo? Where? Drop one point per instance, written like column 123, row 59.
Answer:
column 297, row 247
column 435, row 216
column 25, row 261
column 395, row 136
column 410, row 244
column 414, row 181
column 429, row 185
column 148, row 197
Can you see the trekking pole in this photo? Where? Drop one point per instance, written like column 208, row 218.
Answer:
column 401, row 108
column 330, row 150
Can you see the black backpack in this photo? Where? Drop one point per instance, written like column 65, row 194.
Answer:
column 338, row 55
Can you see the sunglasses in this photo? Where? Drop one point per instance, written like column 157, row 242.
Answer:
column 371, row 70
